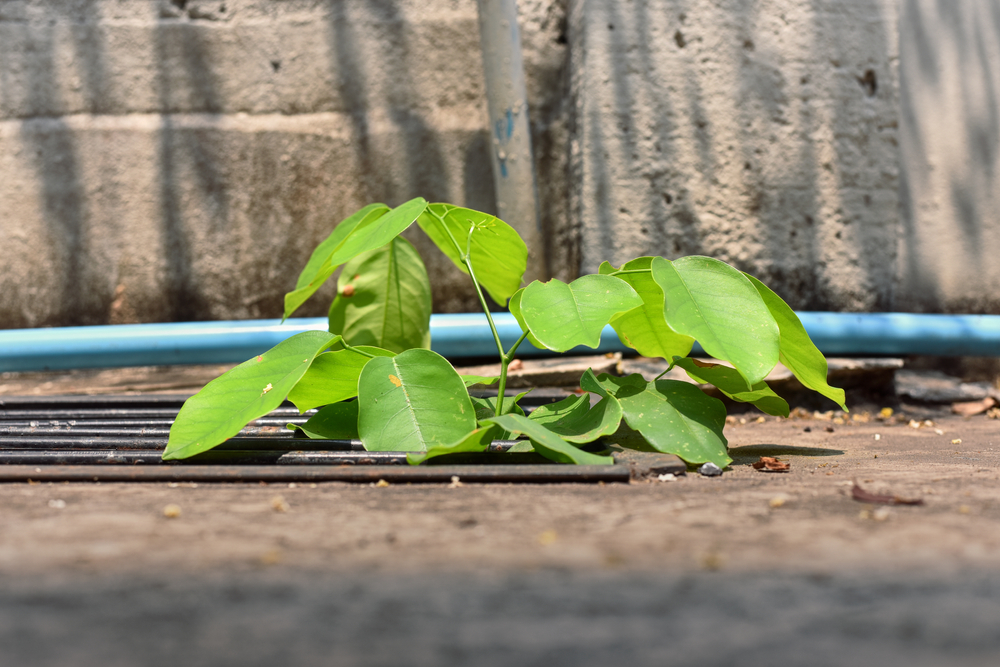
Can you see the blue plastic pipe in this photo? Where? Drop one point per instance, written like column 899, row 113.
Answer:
column 454, row 336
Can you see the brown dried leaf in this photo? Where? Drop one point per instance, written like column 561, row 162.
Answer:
column 771, row 464
column 863, row 496
column 972, row 408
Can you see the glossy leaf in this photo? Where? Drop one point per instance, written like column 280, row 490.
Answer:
column 412, row 402
column 729, row 381
column 251, row 390
column 476, row 441
column 336, row 237
column 575, row 421
column 486, row 407
column 798, row 353
column 644, row 328
column 547, row 443
column 338, row 421
column 375, row 230
column 673, row 417
column 384, row 299
column 719, row 307
column 563, row 316
column 333, row 377
column 497, row 253
column 514, row 306
column 471, row 380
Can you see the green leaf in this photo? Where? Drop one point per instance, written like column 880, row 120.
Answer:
column 372, row 231
column 497, row 253
column 605, row 269
column 251, row 390
column 644, row 328
column 798, row 353
column 336, row 237
column 515, row 309
column 574, row 420
column 478, row 440
column 333, row 377
column 412, row 402
column 487, row 407
column 338, row 421
column 674, row 417
column 471, row 380
column 717, row 305
column 384, row 299
column 732, row 384
column 547, row 443
column 563, row 316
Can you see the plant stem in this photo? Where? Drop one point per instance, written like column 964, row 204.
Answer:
column 505, row 360
column 354, row 349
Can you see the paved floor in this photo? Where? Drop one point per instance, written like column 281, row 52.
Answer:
column 752, row 568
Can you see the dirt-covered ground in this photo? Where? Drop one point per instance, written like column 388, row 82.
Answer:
column 750, row 568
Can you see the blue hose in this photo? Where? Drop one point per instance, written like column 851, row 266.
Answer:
column 455, row 336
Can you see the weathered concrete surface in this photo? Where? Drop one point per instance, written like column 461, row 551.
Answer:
column 751, row 568
column 950, row 140
column 760, row 133
column 179, row 160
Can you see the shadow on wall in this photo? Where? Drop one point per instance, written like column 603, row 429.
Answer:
column 765, row 140
column 950, row 125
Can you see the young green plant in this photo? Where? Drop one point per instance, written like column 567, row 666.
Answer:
column 374, row 377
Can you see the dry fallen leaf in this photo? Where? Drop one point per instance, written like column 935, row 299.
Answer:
column 971, row 408
column 863, row 496
column 771, row 464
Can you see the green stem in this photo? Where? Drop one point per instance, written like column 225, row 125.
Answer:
column 505, row 360
column 354, row 349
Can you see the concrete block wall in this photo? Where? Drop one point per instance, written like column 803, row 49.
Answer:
column 762, row 133
column 168, row 160
column 178, row 159
column 949, row 259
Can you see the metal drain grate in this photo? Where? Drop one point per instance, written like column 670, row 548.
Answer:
column 121, row 438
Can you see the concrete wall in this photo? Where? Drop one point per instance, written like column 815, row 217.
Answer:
column 762, row 133
column 179, row 159
column 949, row 257
column 168, row 160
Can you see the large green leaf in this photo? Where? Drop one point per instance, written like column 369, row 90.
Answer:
column 333, row 377
column 478, row 440
column 412, row 402
column 515, row 309
column 563, row 316
column 338, row 421
column 674, row 417
column 497, row 253
column 729, row 381
column 384, row 299
column 251, row 390
column 798, row 353
column 372, row 231
column 719, row 307
column 487, row 407
column 574, row 419
column 644, row 328
column 547, row 443
column 336, row 237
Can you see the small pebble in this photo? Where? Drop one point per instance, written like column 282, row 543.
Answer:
column 878, row 436
column 57, row 504
column 956, row 441
column 667, row 477
column 381, row 483
column 172, row 511
column 710, row 470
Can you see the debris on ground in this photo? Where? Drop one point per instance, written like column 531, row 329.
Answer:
column 972, row 408
column 862, row 496
column 937, row 387
column 771, row 464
